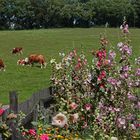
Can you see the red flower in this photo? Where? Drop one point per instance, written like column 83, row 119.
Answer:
column 99, row 64
column 102, row 75
column 32, row 132
column 44, row 137
column 1, row 111
column 101, row 85
column 101, row 54
column 78, row 66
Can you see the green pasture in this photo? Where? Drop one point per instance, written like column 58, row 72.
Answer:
column 49, row 42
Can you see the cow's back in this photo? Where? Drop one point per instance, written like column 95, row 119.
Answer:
column 33, row 58
column 41, row 58
column 1, row 63
column 17, row 50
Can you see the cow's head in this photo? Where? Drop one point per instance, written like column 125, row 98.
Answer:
column 13, row 50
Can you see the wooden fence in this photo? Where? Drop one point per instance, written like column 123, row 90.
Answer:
column 28, row 108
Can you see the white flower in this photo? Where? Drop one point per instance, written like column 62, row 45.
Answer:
column 58, row 66
column 114, row 138
column 52, row 61
column 120, row 44
column 61, row 54
column 121, row 27
column 59, row 120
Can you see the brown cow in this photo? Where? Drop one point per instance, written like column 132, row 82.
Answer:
column 17, row 50
column 36, row 58
column 2, row 66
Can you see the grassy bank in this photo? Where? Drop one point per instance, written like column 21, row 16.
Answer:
column 49, row 42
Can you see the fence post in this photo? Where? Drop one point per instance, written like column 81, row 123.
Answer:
column 13, row 109
column 13, row 102
column 51, row 90
column 0, row 136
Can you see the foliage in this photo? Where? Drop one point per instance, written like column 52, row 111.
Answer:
column 29, row 14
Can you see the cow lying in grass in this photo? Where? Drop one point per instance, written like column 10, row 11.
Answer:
column 36, row 58
column 22, row 62
column 2, row 66
column 17, row 50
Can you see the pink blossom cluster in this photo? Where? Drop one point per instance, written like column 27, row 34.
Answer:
column 1, row 111
column 124, row 49
column 124, row 27
column 111, row 55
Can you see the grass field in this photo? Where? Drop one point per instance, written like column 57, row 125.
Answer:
column 49, row 42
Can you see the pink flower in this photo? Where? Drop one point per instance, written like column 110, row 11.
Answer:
column 117, row 109
column 1, row 111
column 44, row 137
column 73, row 105
column 125, row 68
column 85, row 125
column 125, row 30
column 121, row 122
column 85, row 62
column 88, row 107
column 99, row 64
column 78, row 66
column 124, row 75
column 138, row 105
column 71, row 54
column 125, row 49
column 23, row 133
column 112, row 81
column 131, row 97
column 32, row 132
column 137, row 125
column 74, row 117
column 138, row 72
column 59, row 120
column 124, row 27
column 112, row 55
column 79, row 60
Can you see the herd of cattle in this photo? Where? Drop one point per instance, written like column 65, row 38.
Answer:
column 30, row 60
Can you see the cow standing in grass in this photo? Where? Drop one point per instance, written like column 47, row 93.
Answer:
column 17, row 50
column 2, row 66
column 36, row 58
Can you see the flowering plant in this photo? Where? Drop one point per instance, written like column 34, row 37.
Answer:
column 4, row 128
column 101, row 99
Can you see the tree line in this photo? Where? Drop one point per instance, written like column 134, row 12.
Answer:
column 30, row 14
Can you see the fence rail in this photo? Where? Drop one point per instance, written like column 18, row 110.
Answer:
column 28, row 107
